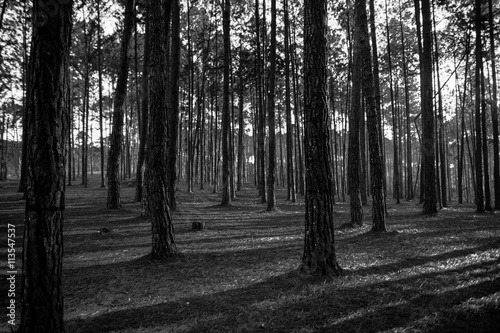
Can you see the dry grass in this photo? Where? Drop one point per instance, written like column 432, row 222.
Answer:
column 428, row 274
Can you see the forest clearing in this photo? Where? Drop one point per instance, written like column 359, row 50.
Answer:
column 240, row 274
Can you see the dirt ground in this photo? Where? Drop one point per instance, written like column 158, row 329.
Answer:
column 428, row 274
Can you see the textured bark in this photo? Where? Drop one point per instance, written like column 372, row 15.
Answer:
column 241, row 126
column 42, row 309
column 291, row 195
column 144, row 118
column 99, row 60
column 226, row 119
column 319, row 245
column 362, row 46
column 354, row 164
column 409, row 171
column 271, row 173
column 173, row 110
column 116, row 139
column 261, row 117
column 428, row 168
column 478, row 137
column 376, row 88
column 494, row 110
column 155, row 177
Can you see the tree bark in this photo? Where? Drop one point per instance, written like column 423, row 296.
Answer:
column 173, row 111
column 494, row 109
column 354, row 163
column 319, row 246
column 362, row 59
column 116, row 138
column 271, row 174
column 42, row 309
column 144, row 117
column 226, row 119
column 155, row 178
column 291, row 195
column 428, row 169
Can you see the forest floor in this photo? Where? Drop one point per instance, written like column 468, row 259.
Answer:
column 428, row 274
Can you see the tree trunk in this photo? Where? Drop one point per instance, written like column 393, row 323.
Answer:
column 155, row 178
column 291, row 195
column 42, row 309
column 478, row 137
column 241, row 126
column 319, row 246
column 362, row 59
column 226, row 117
column 354, row 163
column 144, row 118
column 428, row 169
column 173, row 114
column 271, row 174
column 116, row 138
column 494, row 110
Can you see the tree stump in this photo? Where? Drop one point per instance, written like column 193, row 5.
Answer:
column 197, row 226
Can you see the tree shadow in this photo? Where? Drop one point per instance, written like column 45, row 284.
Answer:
column 290, row 300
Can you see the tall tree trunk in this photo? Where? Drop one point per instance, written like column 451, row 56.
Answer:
column 486, row 172
column 377, row 96
column 353, row 164
column 494, row 109
column 173, row 114
column 99, row 61
column 428, row 169
column 155, row 178
column 241, row 126
column 261, row 119
column 319, row 246
column 461, row 159
column 271, row 196
column 42, row 294
column 362, row 60
column 478, row 137
column 291, row 195
column 116, row 138
column 226, row 116
column 396, row 184
column 144, row 118
column 409, row 171
column 440, row 137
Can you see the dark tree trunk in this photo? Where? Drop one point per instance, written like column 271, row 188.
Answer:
column 354, row 163
column 155, row 178
column 241, row 126
column 487, row 192
column 42, row 309
column 428, row 168
column 116, row 138
column 271, row 174
column 494, row 110
column 362, row 60
column 261, row 116
column 288, row 112
column 226, row 116
column 478, row 137
column 409, row 171
column 319, row 246
column 378, row 98
column 144, row 118
column 173, row 110
column 99, row 60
